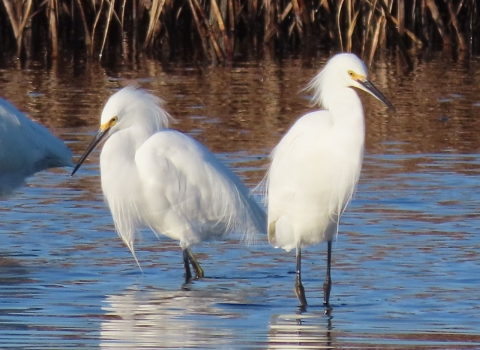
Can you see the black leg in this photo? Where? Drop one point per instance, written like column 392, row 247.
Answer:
column 327, row 286
column 299, row 290
column 196, row 266
column 188, row 274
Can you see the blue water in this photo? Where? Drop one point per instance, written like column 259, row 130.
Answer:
column 406, row 263
column 405, row 271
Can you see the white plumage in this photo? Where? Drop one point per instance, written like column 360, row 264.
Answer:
column 316, row 166
column 26, row 147
column 305, row 200
column 157, row 177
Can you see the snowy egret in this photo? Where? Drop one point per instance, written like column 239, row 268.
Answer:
column 316, row 166
column 157, row 177
column 26, row 147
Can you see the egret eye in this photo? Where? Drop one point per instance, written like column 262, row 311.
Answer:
column 351, row 73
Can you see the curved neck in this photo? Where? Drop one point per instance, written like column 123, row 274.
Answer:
column 343, row 103
column 137, row 135
column 347, row 114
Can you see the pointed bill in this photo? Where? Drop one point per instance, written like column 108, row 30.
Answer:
column 369, row 87
column 98, row 138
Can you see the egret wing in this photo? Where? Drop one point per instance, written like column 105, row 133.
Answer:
column 189, row 194
column 305, row 200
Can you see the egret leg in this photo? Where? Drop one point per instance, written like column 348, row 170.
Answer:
column 299, row 290
column 327, row 286
column 196, row 266
column 188, row 273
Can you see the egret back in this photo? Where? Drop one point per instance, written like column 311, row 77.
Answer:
column 26, row 147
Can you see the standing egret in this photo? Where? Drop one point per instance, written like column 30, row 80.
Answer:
column 315, row 168
column 26, row 148
column 157, row 177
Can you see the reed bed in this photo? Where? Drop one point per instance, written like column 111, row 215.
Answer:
column 218, row 30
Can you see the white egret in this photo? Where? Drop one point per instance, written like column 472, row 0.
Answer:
column 26, row 147
column 157, row 177
column 316, row 166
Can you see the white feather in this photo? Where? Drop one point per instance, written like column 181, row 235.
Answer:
column 26, row 147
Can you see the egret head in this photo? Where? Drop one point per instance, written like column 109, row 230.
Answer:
column 129, row 107
column 344, row 70
column 133, row 106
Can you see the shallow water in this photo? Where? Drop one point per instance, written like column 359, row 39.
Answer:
column 406, row 263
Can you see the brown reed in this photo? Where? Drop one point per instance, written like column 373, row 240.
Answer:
column 217, row 30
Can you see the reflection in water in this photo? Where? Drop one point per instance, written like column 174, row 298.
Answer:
column 296, row 332
column 205, row 318
column 12, row 273
column 167, row 319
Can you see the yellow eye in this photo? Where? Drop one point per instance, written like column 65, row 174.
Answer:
column 114, row 119
column 351, row 73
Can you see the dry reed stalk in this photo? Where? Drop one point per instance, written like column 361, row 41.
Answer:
column 413, row 14
column 386, row 12
column 25, row 16
column 218, row 16
column 376, row 38
column 52, row 20
column 220, row 54
column 351, row 24
column 462, row 45
column 97, row 19
column 368, row 26
column 122, row 17
column 221, row 26
column 409, row 33
column 349, row 6
column 329, row 13
column 285, row 13
column 19, row 14
column 223, row 8
column 13, row 17
column 398, row 39
column 231, row 13
column 339, row 26
column 107, row 26
column 291, row 28
column 274, row 30
column 155, row 12
column 351, row 29
column 401, row 16
column 272, row 21
column 297, row 19
column 88, row 37
column 473, row 15
column 442, row 30
column 200, row 30
column 423, row 19
column 269, row 17
column 302, row 18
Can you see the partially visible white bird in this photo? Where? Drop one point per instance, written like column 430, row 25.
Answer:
column 26, row 147
column 156, row 177
column 316, row 166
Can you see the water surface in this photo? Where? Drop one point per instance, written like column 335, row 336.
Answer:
column 406, row 263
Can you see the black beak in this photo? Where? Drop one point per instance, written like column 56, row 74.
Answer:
column 374, row 91
column 100, row 136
